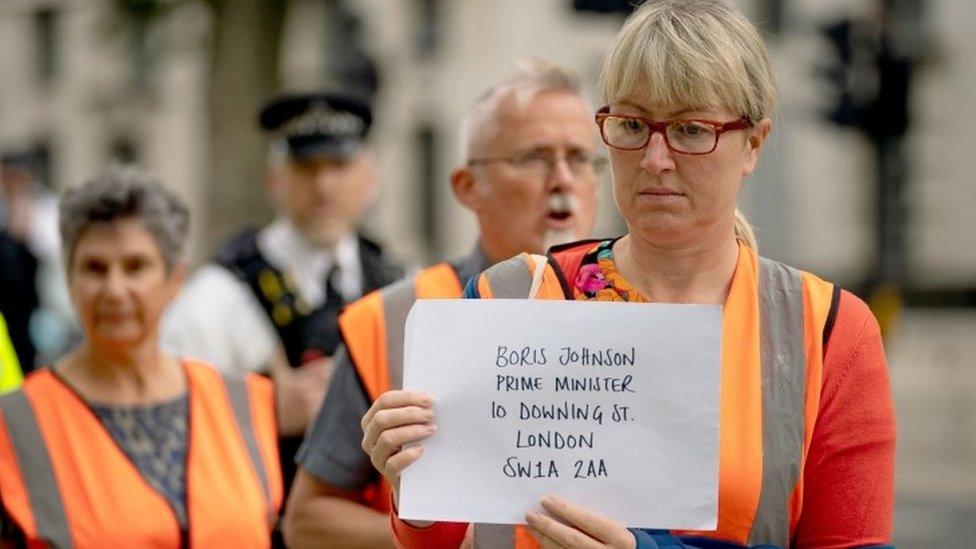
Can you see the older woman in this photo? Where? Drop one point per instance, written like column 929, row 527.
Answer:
column 806, row 424
column 120, row 444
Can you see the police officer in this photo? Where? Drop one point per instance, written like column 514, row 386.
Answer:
column 269, row 301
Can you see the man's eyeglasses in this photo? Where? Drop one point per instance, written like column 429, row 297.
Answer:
column 633, row 133
column 541, row 164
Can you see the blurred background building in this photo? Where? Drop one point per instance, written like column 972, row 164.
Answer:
column 866, row 180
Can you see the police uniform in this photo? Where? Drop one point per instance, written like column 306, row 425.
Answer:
column 273, row 286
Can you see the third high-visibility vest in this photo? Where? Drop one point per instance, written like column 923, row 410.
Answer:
column 11, row 375
column 372, row 330
column 65, row 482
column 772, row 340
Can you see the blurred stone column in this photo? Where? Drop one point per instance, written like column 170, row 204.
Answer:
column 245, row 50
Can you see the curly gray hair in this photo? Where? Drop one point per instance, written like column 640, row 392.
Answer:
column 125, row 192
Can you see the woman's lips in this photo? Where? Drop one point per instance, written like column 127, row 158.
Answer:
column 658, row 190
column 660, row 195
column 115, row 316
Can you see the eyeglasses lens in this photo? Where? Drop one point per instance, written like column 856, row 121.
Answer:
column 682, row 136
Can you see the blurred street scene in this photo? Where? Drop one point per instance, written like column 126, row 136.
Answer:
column 934, row 386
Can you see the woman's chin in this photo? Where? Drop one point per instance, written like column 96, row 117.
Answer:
column 663, row 230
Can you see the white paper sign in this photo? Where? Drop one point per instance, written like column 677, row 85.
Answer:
column 613, row 406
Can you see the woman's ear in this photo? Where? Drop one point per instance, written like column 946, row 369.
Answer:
column 754, row 144
column 175, row 278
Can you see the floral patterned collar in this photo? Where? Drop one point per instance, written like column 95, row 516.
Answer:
column 599, row 280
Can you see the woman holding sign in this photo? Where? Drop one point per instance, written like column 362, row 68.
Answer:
column 806, row 436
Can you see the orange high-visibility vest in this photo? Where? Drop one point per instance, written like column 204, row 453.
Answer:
column 66, row 483
column 372, row 330
column 773, row 330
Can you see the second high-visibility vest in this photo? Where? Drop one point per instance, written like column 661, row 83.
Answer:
column 66, row 483
column 772, row 339
column 372, row 330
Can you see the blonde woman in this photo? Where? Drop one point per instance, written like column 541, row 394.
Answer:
column 806, row 445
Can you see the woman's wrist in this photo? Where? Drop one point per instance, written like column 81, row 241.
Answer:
column 395, row 509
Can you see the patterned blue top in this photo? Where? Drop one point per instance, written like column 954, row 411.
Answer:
column 154, row 438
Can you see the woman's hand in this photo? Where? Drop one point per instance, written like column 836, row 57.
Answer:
column 395, row 420
column 574, row 526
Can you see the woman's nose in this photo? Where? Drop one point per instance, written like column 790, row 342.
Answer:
column 115, row 283
column 657, row 156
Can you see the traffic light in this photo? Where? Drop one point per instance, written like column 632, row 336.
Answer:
column 837, row 73
column 868, row 79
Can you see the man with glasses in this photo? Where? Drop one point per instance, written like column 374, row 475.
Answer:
column 529, row 175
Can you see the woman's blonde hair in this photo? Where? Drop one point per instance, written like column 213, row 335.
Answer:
column 695, row 53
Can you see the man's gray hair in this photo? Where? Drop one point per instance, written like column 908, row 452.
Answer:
column 125, row 192
column 533, row 76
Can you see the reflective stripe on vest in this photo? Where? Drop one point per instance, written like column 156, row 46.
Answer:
column 789, row 389
column 783, row 360
column 50, row 520
column 510, row 279
column 494, row 536
column 397, row 301
column 46, row 518
column 502, row 536
column 241, row 406
column 437, row 282
column 372, row 329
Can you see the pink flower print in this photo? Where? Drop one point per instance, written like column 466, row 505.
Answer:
column 590, row 279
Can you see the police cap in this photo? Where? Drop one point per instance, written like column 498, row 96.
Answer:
column 329, row 124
